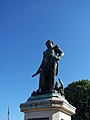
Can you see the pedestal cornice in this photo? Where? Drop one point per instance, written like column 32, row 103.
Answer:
column 52, row 101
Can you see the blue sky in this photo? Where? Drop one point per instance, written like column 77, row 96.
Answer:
column 25, row 26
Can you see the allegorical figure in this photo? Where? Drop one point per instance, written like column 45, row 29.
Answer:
column 48, row 69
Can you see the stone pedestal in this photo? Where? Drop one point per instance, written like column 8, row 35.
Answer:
column 47, row 107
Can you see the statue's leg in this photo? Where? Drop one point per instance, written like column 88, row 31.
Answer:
column 53, row 76
column 41, row 82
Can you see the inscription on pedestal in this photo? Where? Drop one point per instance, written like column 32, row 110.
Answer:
column 45, row 118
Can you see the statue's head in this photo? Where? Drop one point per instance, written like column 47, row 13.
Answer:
column 49, row 43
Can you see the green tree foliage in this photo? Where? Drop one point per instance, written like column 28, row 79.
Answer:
column 78, row 94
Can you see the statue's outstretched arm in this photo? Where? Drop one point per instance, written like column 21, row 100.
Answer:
column 38, row 71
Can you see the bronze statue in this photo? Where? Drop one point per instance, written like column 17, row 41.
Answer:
column 48, row 69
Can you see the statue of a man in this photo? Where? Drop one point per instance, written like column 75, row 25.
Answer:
column 48, row 69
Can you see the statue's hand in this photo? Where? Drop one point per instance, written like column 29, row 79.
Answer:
column 33, row 75
column 57, row 58
column 36, row 73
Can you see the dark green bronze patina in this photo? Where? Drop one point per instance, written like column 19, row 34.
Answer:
column 48, row 69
